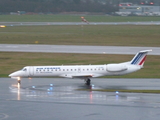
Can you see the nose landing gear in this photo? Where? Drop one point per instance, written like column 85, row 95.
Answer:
column 19, row 80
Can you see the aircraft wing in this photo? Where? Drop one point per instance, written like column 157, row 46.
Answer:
column 82, row 76
column 77, row 75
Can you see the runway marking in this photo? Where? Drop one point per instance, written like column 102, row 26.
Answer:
column 3, row 116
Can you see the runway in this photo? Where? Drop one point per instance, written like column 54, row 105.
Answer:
column 79, row 23
column 76, row 49
column 59, row 98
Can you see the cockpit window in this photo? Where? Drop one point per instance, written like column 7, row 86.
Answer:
column 24, row 69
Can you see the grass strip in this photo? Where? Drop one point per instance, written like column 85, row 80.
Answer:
column 128, row 91
column 74, row 18
column 106, row 35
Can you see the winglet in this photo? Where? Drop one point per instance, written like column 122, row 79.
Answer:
column 140, row 58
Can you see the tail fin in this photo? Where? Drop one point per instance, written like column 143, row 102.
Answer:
column 139, row 58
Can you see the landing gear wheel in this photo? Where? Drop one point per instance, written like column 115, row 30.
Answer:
column 88, row 82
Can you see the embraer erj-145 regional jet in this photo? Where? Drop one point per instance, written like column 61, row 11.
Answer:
column 83, row 71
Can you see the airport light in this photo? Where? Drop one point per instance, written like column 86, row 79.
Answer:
column 2, row 26
column 117, row 92
column 151, row 3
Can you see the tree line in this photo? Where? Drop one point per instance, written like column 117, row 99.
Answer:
column 58, row 6
column 105, row 6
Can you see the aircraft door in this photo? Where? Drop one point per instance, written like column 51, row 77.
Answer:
column 31, row 71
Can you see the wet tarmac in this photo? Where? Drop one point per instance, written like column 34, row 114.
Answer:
column 59, row 99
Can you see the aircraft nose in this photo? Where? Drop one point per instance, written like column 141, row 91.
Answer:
column 10, row 75
column 16, row 74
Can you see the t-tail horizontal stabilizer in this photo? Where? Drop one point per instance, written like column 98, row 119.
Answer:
column 140, row 57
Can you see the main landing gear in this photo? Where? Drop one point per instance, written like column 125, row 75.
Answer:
column 88, row 81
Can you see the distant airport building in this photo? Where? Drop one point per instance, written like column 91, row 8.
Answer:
column 21, row 12
column 126, row 9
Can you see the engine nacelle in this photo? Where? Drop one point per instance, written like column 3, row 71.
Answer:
column 116, row 67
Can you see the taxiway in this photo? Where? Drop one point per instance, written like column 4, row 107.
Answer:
column 79, row 23
column 76, row 49
column 59, row 98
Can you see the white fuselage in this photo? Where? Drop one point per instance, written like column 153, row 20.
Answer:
column 79, row 71
column 83, row 71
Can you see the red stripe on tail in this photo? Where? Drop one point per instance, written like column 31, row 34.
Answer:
column 142, row 61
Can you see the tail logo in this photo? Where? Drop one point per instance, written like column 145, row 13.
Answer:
column 139, row 59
